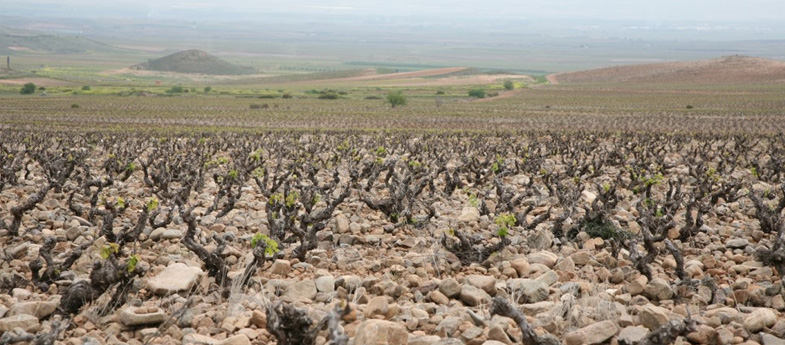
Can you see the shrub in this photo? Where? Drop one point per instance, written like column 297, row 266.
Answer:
column 176, row 89
column 287, row 95
column 207, row 89
column 690, row 106
column 28, row 89
column 396, row 98
column 329, row 95
column 492, row 94
column 86, row 88
column 260, row 106
column 509, row 85
column 74, row 106
column 440, row 92
column 477, row 92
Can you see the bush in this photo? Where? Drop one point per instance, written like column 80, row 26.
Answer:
column 440, row 92
column 493, row 94
column 287, row 95
column 690, row 107
column 28, row 89
column 329, row 95
column 176, row 89
column 396, row 98
column 207, row 89
column 509, row 85
column 86, row 88
column 260, row 106
column 75, row 106
column 478, row 93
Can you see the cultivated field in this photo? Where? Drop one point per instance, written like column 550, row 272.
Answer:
column 612, row 211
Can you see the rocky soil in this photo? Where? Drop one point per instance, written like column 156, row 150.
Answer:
column 400, row 283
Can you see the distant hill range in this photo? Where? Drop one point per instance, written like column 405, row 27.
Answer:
column 193, row 61
column 728, row 69
column 15, row 42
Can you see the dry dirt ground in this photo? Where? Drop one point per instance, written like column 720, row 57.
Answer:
column 729, row 69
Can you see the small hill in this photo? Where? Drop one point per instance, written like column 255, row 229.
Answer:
column 728, row 69
column 193, row 61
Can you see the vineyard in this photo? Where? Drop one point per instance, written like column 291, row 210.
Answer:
column 295, row 237
column 591, row 211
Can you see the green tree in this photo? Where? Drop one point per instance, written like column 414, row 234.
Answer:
column 207, row 89
column 509, row 85
column 396, row 98
column 28, row 89
column 477, row 92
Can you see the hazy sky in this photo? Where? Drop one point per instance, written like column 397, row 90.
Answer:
column 650, row 10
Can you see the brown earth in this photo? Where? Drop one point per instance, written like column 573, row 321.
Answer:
column 729, row 69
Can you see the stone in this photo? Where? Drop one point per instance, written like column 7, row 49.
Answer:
column 565, row 265
column 439, row 298
column 494, row 342
column 580, row 258
column 595, row 333
column 450, row 287
column 469, row 214
column 737, row 243
column 548, row 278
column 301, row 291
column 536, row 308
column 528, row 290
column 239, row 339
column 423, row 339
column 521, row 266
column 658, row 289
column 541, row 240
column 39, row 309
column 486, row 283
column 155, row 235
column 469, row 335
column 703, row 335
column 325, row 284
column 588, row 197
column 543, row 257
column 341, row 224
column 759, row 319
column 449, row 341
column 473, row 296
column 768, row 339
column 176, row 277
column 725, row 314
column 198, row 339
column 258, row 319
column 632, row 335
column 281, row 267
column 497, row 333
column 29, row 323
column 132, row 317
column 381, row 332
column 652, row 317
column 379, row 306
column 171, row 234
column 448, row 326
column 73, row 233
